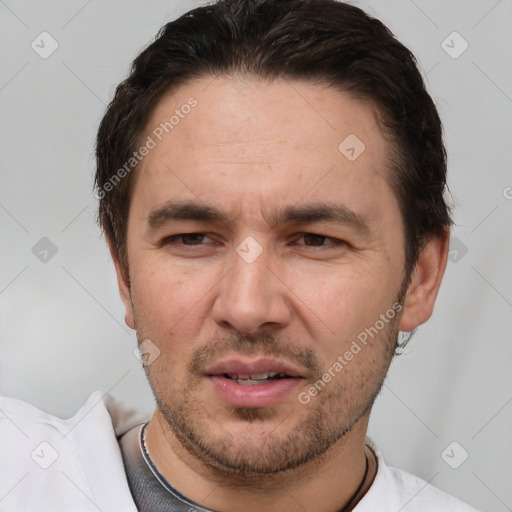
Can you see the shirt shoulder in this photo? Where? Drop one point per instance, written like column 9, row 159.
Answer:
column 51, row 463
column 396, row 490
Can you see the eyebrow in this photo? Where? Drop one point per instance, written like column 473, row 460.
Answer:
column 322, row 212
column 184, row 210
column 298, row 214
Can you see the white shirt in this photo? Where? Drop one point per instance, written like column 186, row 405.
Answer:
column 75, row 465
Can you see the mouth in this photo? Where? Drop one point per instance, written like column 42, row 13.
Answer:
column 257, row 378
column 253, row 383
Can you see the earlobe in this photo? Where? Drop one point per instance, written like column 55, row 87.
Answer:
column 123, row 282
column 425, row 282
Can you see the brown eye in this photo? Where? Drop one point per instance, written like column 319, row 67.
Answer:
column 312, row 239
column 186, row 239
column 192, row 238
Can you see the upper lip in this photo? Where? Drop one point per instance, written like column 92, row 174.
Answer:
column 241, row 366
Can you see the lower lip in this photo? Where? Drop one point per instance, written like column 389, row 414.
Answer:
column 258, row 395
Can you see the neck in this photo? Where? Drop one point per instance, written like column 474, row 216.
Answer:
column 326, row 484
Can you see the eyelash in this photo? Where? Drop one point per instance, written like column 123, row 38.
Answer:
column 171, row 239
column 334, row 241
column 174, row 238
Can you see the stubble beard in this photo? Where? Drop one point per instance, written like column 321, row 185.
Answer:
column 325, row 420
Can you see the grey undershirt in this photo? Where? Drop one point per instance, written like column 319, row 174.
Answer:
column 150, row 491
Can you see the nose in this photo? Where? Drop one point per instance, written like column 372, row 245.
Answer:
column 252, row 297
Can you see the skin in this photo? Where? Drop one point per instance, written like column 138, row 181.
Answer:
column 250, row 148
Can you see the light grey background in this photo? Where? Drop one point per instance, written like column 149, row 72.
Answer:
column 62, row 330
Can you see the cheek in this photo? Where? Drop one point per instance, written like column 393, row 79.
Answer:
column 166, row 305
column 168, row 299
column 343, row 301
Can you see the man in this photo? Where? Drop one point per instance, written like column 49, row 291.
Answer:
column 271, row 180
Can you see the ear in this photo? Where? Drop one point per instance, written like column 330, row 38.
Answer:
column 425, row 282
column 123, row 282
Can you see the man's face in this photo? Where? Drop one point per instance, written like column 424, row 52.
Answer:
column 291, row 248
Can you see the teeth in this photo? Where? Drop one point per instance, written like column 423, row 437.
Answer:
column 255, row 378
column 262, row 376
column 250, row 382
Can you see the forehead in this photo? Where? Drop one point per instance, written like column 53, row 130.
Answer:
column 238, row 140
column 244, row 110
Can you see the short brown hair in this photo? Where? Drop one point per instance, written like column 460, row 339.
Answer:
column 320, row 41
